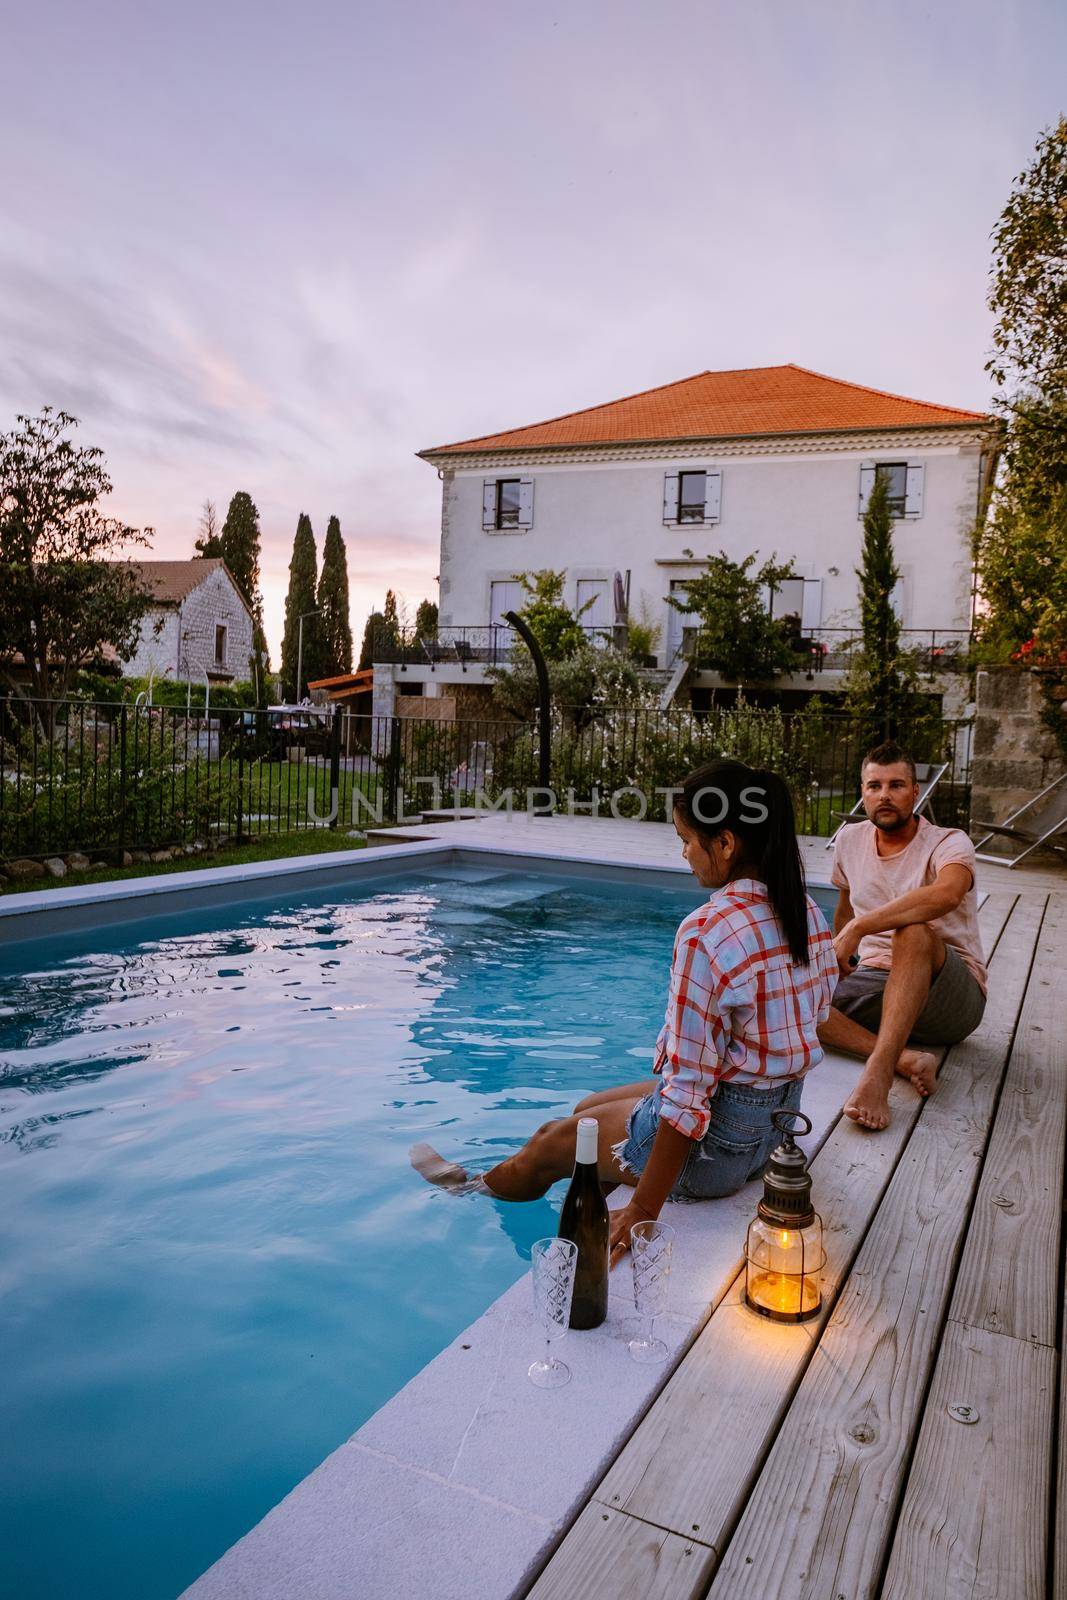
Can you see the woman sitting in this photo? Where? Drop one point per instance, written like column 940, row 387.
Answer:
column 753, row 972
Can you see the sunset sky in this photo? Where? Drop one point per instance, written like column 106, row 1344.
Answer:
column 281, row 248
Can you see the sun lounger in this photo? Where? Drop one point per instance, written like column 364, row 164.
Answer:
column 1044, row 827
column 928, row 775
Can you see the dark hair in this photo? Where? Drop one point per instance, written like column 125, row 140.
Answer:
column 757, row 806
column 889, row 754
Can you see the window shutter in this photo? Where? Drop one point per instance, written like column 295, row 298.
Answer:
column 489, row 503
column 525, row 502
column 866, row 485
column 670, row 497
column 913, row 498
column 897, row 598
column 712, row 496
column 811, row 612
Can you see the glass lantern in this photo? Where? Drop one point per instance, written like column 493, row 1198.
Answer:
column 784, row 1255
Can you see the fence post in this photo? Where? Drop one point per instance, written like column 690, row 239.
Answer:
column 240, row 721
column 122, row 781
column 392, row 769
column 335, row 767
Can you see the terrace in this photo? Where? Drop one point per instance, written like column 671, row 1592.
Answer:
column 908, row 1443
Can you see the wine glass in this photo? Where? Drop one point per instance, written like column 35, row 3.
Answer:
column 650, row 1254
column 553, row 1263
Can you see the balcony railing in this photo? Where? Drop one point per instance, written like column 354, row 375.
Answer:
column 935, row 650
column 480, row 644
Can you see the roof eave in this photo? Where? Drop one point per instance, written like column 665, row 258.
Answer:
column 440, row 453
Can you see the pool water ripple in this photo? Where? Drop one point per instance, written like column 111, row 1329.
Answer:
column 217, row 1261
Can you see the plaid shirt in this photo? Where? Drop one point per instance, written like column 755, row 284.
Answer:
column 738, row 1008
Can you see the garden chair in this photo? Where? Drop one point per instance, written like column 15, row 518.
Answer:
column 928, row 775
column 1045, row 827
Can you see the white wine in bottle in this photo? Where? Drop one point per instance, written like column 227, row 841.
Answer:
column 584, row 1220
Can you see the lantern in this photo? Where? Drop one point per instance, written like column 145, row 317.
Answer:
column 783, row 1251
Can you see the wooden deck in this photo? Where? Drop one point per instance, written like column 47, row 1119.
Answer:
column 907, row 1444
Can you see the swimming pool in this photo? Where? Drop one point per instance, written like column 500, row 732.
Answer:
column 221, row 1263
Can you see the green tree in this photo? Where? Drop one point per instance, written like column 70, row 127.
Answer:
column 209, row 544
column 334, row 628
column 554, row 625
column 1028, row 296
column 239, row 547
column 61, row 599
column 737, row 635
column 373, row 633
column 300, row 602
column 1021, row 546
column 426, row 620
column 881, row 691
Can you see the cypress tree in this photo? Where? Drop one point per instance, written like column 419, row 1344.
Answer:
column 299, row 600
column 334, row 629
column 881, row 691
column 238, row 545
column 372, row 633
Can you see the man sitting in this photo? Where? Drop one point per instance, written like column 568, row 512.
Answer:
column 906, row 936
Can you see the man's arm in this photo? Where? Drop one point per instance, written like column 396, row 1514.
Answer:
column 935, row 899
column 843, row 912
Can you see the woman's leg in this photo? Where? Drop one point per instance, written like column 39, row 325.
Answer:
column 622, row 1091
column 549, row 1155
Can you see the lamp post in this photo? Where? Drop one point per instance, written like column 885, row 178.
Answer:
column 783, row 1251
column 544, row 743
column 300, row 648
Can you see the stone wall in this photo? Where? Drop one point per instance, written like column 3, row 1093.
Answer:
column 179, row 641
column 1014, row 754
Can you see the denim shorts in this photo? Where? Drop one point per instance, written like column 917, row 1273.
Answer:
column 736, row 1147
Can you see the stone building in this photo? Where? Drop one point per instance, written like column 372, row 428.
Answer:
column 199, row 625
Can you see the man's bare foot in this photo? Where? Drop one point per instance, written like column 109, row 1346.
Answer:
column 920, row 1069
column 868, row 1104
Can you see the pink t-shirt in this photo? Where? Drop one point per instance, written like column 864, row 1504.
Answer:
column 873, row 880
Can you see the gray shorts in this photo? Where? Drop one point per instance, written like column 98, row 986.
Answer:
column 953, row 1007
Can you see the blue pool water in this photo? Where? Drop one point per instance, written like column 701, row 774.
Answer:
column 217, row 1261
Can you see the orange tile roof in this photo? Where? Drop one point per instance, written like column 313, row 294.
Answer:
column 717, row 405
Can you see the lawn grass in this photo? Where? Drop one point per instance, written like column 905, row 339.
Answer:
column 276, row 847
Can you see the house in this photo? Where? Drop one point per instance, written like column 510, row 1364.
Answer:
column 200, row 624
column 765, row 460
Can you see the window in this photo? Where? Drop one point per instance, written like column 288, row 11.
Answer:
column 894, row 474
column 220, row 644
column 692, row 494
column 507, row 502
column 505, row 595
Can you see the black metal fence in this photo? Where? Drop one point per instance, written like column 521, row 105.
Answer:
column 106, row 778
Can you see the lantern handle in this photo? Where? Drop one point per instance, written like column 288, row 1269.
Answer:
column 780, row 1120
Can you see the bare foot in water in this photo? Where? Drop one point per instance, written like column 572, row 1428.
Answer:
column 868, row 1104
column 920, row 1069
column 435, row 1169
column 444, row 1174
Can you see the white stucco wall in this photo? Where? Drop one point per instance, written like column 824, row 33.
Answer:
column 590, row 519
column 184, row 646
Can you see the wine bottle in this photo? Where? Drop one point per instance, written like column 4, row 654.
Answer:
column 584, row 1220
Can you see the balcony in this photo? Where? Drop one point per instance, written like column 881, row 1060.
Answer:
column 488, row 644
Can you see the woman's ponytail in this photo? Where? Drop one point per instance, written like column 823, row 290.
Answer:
column 758, row 807
column 780, row 865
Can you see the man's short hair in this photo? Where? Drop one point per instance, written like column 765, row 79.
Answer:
column 888, row 754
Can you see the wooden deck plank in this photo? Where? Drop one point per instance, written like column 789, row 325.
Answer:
column 691, row 1462
column 975, row 1515
column 1009, row 1275
column 840, row 1454
column 975, row 1511
column 614, row 1554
